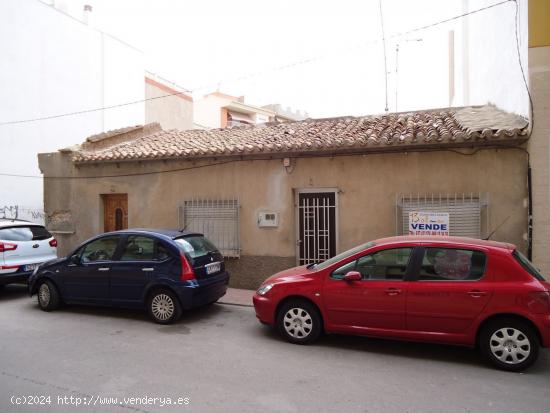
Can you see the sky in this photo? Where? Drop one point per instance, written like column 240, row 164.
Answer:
column 251, row 48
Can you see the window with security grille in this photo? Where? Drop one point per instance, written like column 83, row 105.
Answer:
column 468, row 212
column 217, row 219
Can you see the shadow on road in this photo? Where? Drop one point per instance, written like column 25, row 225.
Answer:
column 190, row 317
column 13, row 292
column 411, row 350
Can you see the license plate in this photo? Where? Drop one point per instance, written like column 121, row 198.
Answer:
column 212, row 268
column 31, row 267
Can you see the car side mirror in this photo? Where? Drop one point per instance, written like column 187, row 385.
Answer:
column 353, row 276
column 75, row 259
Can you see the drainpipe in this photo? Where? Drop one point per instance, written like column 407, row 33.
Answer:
column 530, row 213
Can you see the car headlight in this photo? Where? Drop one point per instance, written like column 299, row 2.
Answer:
column 263, row 290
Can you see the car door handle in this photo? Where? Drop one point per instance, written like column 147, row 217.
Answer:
column 393, row 291
column 147, row 269
column 103, row 269
column 477, row 294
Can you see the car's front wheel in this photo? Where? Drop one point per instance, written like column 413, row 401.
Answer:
column 299, row 322
column 164, row 307
column 48, row 296
column 510, row 344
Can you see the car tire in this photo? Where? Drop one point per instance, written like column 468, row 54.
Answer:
column 163, row 306
column 48, row 296
column 509, row 344
column 299, row 322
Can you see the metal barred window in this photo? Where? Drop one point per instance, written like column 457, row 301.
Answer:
column 217, row 219
column 468, row 212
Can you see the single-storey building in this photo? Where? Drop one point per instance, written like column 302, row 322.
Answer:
column 275, row 195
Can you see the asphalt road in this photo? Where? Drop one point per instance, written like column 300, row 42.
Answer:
column 222, row 360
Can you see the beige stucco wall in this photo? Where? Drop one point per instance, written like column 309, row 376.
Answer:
column 366, row 200
column 173, row 112
column 539, row 148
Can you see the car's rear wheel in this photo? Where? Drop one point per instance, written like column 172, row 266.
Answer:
column 164, row 307
column 299, row 322
column 510, row 344
column 48, row 296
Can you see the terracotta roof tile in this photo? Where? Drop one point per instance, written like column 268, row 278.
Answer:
column 443, row 127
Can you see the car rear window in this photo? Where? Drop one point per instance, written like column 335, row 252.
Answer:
column 452, row 264
column 195, row 245
column 24, row 233
column 528, row 266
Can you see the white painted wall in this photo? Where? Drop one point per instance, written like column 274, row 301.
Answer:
column 485, row 62
column 207, row 110
column 51, row 64
column 487, row 65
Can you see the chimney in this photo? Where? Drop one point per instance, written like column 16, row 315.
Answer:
column 86, row 13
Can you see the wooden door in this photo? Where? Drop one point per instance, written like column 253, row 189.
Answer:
column 115, row 212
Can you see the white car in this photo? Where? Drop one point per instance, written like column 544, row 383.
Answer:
column 23, row 246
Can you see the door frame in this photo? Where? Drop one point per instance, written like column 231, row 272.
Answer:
column 316, row 190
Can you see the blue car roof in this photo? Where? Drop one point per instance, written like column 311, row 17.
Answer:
column 170, row 233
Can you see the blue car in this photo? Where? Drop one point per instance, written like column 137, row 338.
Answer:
column 163, row 271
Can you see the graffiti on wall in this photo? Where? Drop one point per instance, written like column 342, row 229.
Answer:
column 21, row 212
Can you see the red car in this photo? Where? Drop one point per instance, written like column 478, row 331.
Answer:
column 450, row 290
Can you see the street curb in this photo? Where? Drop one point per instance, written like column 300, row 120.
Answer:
column 235, row 304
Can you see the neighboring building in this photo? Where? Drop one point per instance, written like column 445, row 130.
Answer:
column 56, row 63
column 275, row 195
column 172, row 112
column 218, row 110
column 539, row 145
column 52, row 64
column 286, row 114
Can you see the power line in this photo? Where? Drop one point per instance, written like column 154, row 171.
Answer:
column 91, row 110
column 531, row 106
column 259, row 73
column 385, row 57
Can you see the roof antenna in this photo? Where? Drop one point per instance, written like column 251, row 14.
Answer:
column 187, row 225
column 496, row 229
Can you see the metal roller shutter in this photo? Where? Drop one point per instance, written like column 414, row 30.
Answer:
column 464, row 210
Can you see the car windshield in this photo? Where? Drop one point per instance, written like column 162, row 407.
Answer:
column 24, row 233
column 195, row 245
column 528, row 266
column 343, row 255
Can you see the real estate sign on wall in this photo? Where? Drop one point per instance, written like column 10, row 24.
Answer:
column 428, row 223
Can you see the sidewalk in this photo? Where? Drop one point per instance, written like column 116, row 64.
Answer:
column 236, row 296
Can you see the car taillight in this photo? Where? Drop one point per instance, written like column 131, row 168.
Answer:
column 187, row 273
column 53, row 243
column 539, row 302
column 6, row 246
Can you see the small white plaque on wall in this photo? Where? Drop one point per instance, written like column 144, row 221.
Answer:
column 268, row 219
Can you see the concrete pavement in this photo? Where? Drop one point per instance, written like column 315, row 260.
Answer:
column 223, row 360
column 237, row 296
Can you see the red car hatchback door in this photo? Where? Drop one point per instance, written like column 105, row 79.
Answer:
column 453, row 287
column 377, row 301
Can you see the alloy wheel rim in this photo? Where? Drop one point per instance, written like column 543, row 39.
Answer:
column 298, row 323
column 44, row 295
column 510, row 345
column 162, row 307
